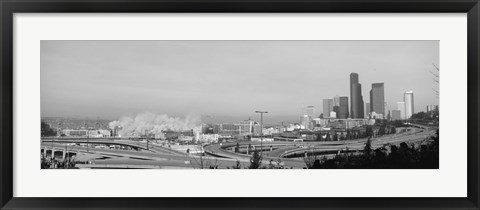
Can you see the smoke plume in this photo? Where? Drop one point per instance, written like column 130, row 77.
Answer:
column 154, row 124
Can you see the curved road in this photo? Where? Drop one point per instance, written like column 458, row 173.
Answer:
column 134, row 144
column 159, row 160
column 161, row 157
column 289, row 148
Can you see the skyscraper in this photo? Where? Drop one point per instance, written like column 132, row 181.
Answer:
column 409, row 104
column 327, row 107
column 356, row 99
column 343, row 108
column 306, row 122
column 367, row 109
column 336, row 100
column 401, row 108
column 377, row 99
column 310, row 111
column 336, row 109
column 396, row 115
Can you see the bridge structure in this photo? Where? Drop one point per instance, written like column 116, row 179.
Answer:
column 138, row 145
column 127, row 143
column 222, row 155
column 113, row 158
column 282, row 150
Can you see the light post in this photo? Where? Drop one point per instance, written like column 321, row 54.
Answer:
column 261, row 130
column 146, row 137
column 88, row 136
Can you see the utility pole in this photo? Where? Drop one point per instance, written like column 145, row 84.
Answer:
column 146, row 137
column 261, row 130
column 88, row 136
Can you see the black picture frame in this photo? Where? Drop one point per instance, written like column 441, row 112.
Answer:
column 9, row 7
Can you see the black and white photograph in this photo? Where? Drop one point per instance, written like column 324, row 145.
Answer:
column 239, row 104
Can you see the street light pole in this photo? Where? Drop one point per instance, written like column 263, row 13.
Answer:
column 261, row 130
column 146, row 137
column 88, row 136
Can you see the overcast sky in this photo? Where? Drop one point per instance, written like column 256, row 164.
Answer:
column 109, row 79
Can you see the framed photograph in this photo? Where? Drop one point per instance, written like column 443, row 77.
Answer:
column 239, row 105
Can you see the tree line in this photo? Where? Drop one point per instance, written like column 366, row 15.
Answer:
column 46, row 130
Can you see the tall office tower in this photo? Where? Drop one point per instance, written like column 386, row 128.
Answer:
column 367, row 109
column 336, row 109
column 409, row 104
column 306, row 121
column 327, row 107
column 401, row 108
column 377, row 99
column 343, row 108
column 310, row 111
column 336, row 100
column 396, row 115
column 356, row 99
column 387, row 111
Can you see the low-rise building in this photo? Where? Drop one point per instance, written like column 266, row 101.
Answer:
column 342, row 123
column 100, row 133
column 375, row 115
column 258, row 139
column 207, row 138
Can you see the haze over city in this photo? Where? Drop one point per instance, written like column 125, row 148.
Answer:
column 227, row 80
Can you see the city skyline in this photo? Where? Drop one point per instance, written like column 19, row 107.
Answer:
column 226, row 79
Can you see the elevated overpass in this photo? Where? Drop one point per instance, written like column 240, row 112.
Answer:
column 130, row 157
column 127, row 143
column 112, row 141
column 413, row 137
column 284, row 149
column 162, row 157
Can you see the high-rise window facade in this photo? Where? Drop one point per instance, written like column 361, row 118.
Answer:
column 327, row 107
column 356, row 99
column 343, row 108
column 377, row 99
column 367, row 109
column 409, row 104
column 401, row 108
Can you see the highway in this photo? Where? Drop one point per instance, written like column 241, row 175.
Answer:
column 222, row 154
column 359, row 145
column 132, row 157
column 108, row 141
column 290, row 148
